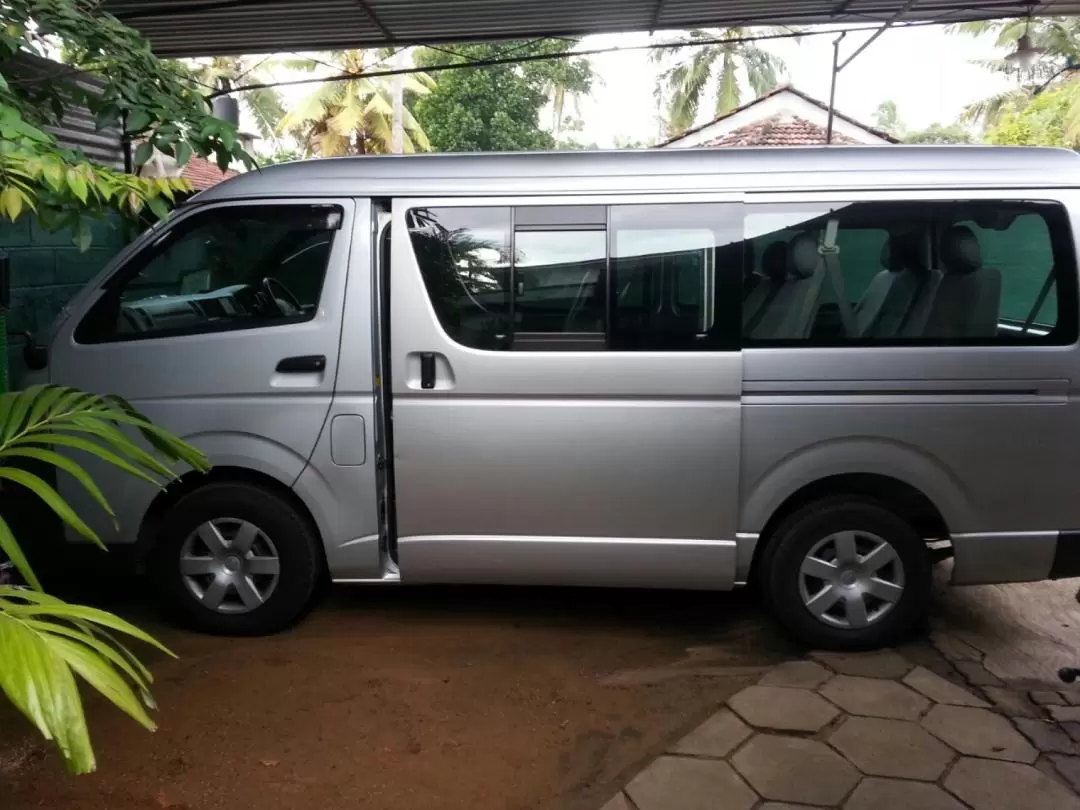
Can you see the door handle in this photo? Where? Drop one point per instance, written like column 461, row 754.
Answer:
column 427, row 370
column 302, row 364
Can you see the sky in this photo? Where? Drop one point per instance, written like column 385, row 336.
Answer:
column 928, row 72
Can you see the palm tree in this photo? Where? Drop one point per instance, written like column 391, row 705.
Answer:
column 688, row 71
column 354, row 116
column 264, row 105
column 1058, row 39
column 887, row 118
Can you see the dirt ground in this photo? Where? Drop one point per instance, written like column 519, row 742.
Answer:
column 437, row 698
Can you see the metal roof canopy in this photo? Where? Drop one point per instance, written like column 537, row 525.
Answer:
column 218, row 27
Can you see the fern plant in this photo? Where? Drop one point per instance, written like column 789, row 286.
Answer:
column 46, row 642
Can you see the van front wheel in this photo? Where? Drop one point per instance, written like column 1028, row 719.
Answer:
column 235, row 558
column 847, row 573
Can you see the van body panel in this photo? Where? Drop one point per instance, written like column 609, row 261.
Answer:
column 651, row 468
column 219, row 390
column 577, row 561
column 557, row 445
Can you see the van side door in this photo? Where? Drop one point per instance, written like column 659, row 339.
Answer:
column 225, row 329
column 566, row 390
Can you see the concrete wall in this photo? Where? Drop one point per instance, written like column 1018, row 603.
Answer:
column 46, row 271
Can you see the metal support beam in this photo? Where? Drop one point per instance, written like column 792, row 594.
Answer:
column 837, row 65
column 895, row 19
column 386, row 32
column 832, row 87
column 656, row 15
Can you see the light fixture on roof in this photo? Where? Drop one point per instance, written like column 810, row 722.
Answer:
column 1026, row 55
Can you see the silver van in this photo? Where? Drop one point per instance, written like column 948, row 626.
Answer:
column 815, row 370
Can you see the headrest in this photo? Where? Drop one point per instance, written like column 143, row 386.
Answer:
column 803, row 256
column 903, row 251
column 774, row 261
column 960, row 252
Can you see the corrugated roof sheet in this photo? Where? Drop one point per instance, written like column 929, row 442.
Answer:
column 212, row 27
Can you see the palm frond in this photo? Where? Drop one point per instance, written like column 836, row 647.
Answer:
column 45, row 642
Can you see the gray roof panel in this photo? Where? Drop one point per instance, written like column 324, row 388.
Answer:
column 659, row 170
column 214, row 27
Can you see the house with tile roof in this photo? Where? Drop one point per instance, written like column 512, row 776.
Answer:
column 782, row 117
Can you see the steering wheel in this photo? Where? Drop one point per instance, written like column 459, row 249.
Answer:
column 269, row 284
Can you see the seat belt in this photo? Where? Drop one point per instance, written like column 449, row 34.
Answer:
column 830, row 254
column 1045, row 291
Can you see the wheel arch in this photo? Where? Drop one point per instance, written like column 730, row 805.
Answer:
column 192, row 480
column 905, row 500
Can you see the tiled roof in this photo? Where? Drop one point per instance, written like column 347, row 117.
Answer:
column 201, row 173
column 784, row 88
column 782, row 129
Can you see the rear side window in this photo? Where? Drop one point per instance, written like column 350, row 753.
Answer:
column 583, row 278
column 909, row 273
column 235, row 267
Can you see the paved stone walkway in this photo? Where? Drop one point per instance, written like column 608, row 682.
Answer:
column 877, row 731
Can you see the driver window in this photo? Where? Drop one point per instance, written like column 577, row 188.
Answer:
column 237, row 267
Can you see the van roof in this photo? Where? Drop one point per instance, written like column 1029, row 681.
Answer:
column 659, row 170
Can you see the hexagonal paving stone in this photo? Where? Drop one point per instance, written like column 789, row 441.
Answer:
column 872, row 697
column 793, row 769
column 782, row 709
column 883, row 664
column 978, row 733
column 797, row 674
column 891, row 748
column 895, row 794
column 987, row 785
column 681, row 783
column 940, row 690
column 618, row 802
column 785, row 806
column 716, row 737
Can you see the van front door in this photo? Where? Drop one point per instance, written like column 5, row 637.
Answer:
column 225, row 329
column 566, row 388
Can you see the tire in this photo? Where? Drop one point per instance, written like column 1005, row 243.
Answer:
column 843, row 539
column 251, row 599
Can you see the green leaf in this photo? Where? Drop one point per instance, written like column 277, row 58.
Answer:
column 157, row 207
column 11, row 202
column 137, row 121
column 118, row 441
column 51, row 395
column 79, row 443
column 41, row 686
column 86, row 635
column 98, row 672
column 143, row 153
column 67, row 465
column 10, row 546
column 183, row 153
column 52, row 499
column 77, row 183
column 17, row 406
column 69, row 612
column 83, row 235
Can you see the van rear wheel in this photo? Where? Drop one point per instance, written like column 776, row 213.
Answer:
column 235, row 558
column 847, row 573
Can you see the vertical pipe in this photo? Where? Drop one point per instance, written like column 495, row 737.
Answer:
column 397, row 138
column 125, row 144
column 832, row 87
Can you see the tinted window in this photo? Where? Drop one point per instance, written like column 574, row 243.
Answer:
column 965, row 272
column 675, row 276
column 464, row 258
column 224, row 268
column 586, row 278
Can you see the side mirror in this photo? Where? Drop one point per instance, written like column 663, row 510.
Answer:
column 35, row 355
